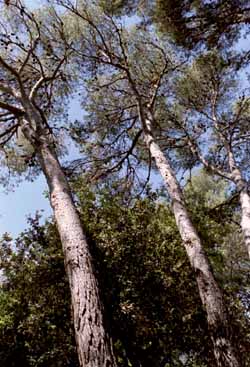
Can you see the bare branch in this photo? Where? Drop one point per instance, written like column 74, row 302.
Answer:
column 148, row 175
column 9, row 68
column 29, row 53
column 13, row 109
column 44, row 79
column 122, row 160
column 36, row 87
column 157, row 86
column 8, row 90
column 9, row 134
column 9, row 130
column 195, row 150
column 13, row 71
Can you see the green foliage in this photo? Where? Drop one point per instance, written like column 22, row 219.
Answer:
column 215, row 212
column 142, row 277
column 149, row 291
column 117, row 7
column 35, row 322
column 189, row 23
column 192, row 22
column 212, row 107
column 209, row 72
column 207, row 197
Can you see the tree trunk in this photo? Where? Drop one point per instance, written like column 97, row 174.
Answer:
column 210, row 293
column 94, row 345
column 241, row 186
column 245, row 217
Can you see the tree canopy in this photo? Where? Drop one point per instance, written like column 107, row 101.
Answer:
column 145, row 259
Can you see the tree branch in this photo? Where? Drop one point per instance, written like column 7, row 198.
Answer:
column 6, row 89
column 44, row 79
column 195, row 150
column 119, row 164
column 29, row 53
column 9, row 68
column 9, row 130
column 15, row 110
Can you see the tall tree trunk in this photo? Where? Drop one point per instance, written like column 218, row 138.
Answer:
column 241, row 186
column 245, row 217
column 210, row 293
column 94, row 345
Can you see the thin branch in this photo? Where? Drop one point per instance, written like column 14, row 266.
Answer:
column 9, row 68
column 9, row 130
column 44, row 79
column 15, row 110
column 36, row 87
column 119, row 164
column 195, row 150
column 2, row 143
column 228, row 202
column 156, row 87
column 29, row 53
column 15, row 74
column 148, row 175
column 87, row 19
column 6, row 89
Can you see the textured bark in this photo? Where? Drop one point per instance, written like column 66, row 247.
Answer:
column 241, row 186
column 94, row 346
column 210, row 293
column 245, row 206
column 93, row 343
column 245, row 217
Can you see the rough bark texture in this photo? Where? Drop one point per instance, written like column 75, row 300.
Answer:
column 94, row 347
column 241, row 186
column 245, row 206
column 210, row 293
column 245, row 217
column 93, row 343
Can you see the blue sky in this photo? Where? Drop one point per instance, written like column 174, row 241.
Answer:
column 24, row 201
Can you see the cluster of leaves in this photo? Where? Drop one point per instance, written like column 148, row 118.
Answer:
column 190, row 22
column 35, row 324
